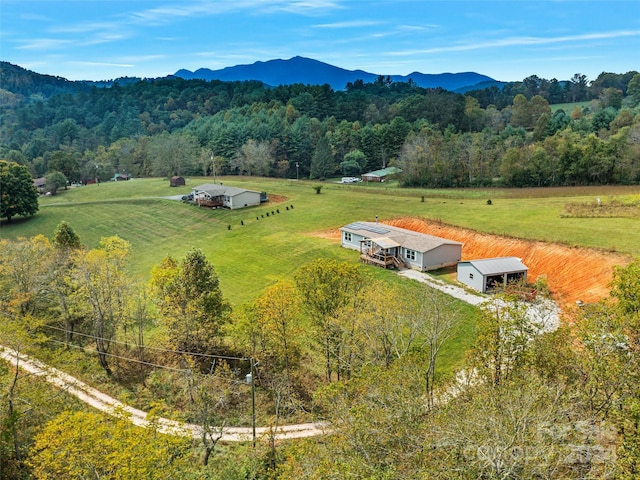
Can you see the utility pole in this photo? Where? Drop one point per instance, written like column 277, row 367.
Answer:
column 213, row 168
column 253, row 400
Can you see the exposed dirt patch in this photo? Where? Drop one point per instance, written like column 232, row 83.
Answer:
column 277, row 198
column 610, row 209
column 333, row 234
column 573, row 273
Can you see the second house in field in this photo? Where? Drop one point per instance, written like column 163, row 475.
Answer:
column 393, row 247
column 380, row 175
column 214, row 195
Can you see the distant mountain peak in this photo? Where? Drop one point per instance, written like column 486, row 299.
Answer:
column 308, row 71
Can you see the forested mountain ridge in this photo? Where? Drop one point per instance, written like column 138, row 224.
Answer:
column 18, row 80
column 172, row 126
column 313, row 72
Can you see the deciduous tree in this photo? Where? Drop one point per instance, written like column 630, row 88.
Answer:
column 65, row 284
column 327, row 286
column 191, row 304
column 18, row 195
column 55, row 180
column 25, row 274
column 104, row 284
column 90, row 445
column 277, row 314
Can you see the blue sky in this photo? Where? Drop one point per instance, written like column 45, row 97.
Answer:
column 507, row 40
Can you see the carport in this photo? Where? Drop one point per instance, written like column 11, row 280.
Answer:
column 490, row 274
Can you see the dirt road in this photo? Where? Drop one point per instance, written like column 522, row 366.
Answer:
column 547, row 314
column 110, row 405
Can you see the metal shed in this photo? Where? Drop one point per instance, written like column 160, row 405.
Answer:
column 491, row 273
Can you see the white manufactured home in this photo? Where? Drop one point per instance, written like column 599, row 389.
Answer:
column 393, row 247
column 491, row 273
column 214, row 195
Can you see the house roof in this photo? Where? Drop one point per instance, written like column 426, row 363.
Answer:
column 216, row 190
column 385, row 242
column 495, row 266
column 381, row 233
column 40, row 182
column 383, row 172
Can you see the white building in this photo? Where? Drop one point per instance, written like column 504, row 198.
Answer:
column 214, row 195
column 491, row 273
column 393, row 247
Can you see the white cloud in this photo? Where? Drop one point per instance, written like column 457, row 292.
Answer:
column 520, row 41
column 350, row 24
column 43, row 44
column 101, row 64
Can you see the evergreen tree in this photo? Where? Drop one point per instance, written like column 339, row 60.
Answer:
column 322, row 165
column 65, row 237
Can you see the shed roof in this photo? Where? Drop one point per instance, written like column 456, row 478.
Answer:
column 420, row 242
column 495, row 266
column 216, row 190
column 382, row 172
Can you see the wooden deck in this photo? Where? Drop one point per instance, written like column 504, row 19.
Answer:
column 209, row 203
column 384, row 261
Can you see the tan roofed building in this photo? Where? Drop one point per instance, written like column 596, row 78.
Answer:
column 215, row 195
column 394, row 247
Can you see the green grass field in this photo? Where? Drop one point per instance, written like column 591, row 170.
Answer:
column 259, row 250
column 252, row 256
column 568, row 107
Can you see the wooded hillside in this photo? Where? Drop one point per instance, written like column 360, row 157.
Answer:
column 170, row 126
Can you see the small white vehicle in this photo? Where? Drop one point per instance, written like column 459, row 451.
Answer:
column 349, row 180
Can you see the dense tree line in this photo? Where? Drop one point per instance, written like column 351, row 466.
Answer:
column 507, row 136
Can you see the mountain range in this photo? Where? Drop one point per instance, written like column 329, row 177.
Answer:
column 313, row 72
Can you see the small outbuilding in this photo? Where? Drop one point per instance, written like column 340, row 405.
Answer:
column 40, row 184
column 380, row 175
column 177, row 181
column 393, row 247
column 490, row 274
column 215, row 195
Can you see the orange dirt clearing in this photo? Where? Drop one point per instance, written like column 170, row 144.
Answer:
column 277, row 198
column 573, row 273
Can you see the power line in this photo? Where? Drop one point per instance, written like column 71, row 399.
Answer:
column 123, row 358
column 180, row 352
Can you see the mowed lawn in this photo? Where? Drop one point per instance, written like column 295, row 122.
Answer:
column 254, row 247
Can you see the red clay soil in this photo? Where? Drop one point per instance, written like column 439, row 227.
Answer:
column 572, row 273
column 277, row 198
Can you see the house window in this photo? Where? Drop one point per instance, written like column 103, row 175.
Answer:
column 409, row 254
column 471, row 276
column 347, row 236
